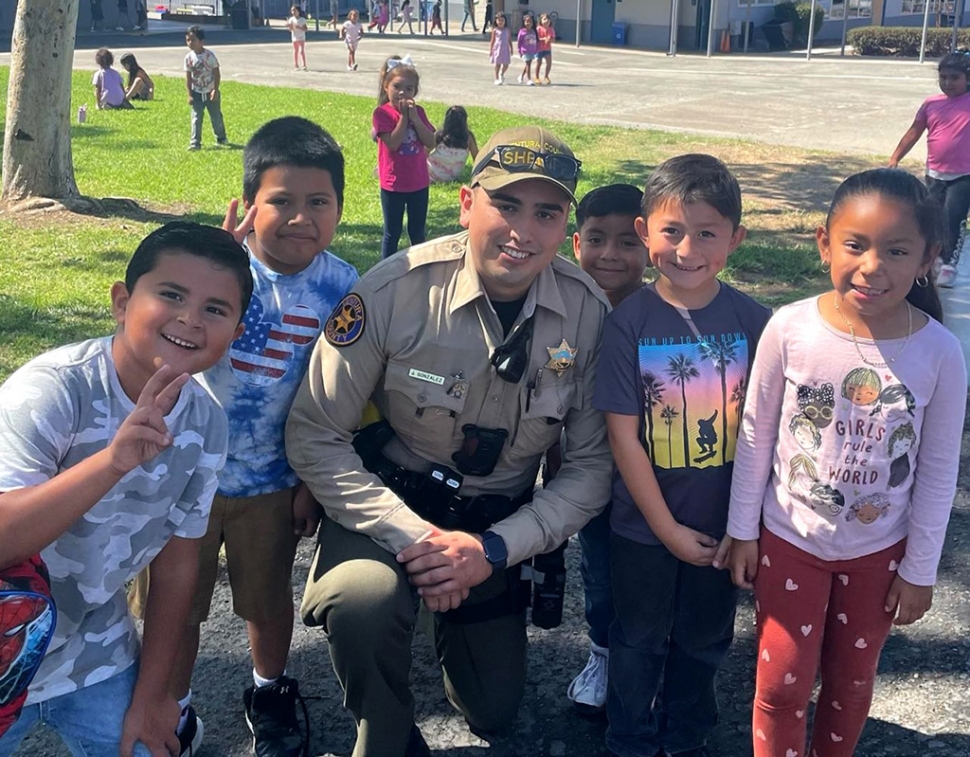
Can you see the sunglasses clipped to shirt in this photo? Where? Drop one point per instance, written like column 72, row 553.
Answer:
column 515, row 159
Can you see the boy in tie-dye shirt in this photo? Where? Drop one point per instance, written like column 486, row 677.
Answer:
column 293, row 195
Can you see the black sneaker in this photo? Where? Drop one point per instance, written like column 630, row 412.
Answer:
column 190, row 737
column 271, row 715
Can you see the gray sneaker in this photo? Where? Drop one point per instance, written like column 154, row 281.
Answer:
column 947, row 276
column 588, row 689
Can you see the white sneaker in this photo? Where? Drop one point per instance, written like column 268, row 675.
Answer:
column 498, row 82
column 588, row 689
column 350, row 68
column 947, row 276
column 529, row 83
column 521, row 78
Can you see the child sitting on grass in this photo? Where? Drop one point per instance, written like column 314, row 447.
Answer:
column 109, row 91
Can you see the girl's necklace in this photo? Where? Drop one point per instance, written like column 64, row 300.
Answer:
column 858, row 347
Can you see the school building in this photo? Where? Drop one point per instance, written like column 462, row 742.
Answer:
column 646, row 24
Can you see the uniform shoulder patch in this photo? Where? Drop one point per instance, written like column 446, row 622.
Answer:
column 346, row 323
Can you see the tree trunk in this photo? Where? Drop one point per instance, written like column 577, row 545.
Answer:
column 37, row 143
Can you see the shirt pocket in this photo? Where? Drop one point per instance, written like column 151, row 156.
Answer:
column 423, row 413
column 540, row 423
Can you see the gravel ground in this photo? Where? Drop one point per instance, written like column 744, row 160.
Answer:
column 921, row 707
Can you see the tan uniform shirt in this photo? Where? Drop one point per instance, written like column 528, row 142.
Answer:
column 423, row 357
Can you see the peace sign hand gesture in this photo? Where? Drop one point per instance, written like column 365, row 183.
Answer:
column 143, row 434
column 232, row 224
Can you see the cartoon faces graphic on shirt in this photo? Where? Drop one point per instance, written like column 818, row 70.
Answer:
column 411, row 145
column 817, row 403
column 868, row 508
column 861, row 386
column 826, row 500
column 901, row 441
column 893, row 396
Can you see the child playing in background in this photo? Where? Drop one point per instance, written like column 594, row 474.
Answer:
column 108, row 458
column 528, row 43
column 454, row 143
column 547, row 35
column 606, row 247
column 297, row 26
column 293, row 182
column 140, row 84
column 834, row 565
column 946, row 120
column 489, row 12
column 202, row 79
column 436, row 17
column 350, row 33
column 404, row 136
column 500, row 49
column 675, row 358
column 109, row 90
column 383, row 16
column 406, row 12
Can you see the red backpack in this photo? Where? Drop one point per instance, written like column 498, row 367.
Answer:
column 27, row 619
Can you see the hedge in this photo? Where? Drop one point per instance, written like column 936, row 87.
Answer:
column 903, row 41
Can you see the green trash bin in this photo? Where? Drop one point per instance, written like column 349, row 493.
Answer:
column 619, row 34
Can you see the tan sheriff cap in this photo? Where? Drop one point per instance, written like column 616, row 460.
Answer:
column 525, row 152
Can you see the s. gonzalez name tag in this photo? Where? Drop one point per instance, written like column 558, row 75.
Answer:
column 425, row 376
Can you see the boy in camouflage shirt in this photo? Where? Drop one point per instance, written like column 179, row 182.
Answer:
column 108, row 460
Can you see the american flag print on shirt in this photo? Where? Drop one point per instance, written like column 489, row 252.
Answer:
column 265, row 351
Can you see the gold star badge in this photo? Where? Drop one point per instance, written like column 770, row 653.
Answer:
column 561, row 357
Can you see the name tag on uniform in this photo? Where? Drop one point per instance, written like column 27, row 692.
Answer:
column 425, row 376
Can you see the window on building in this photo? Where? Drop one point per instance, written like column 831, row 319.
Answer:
column 745, row 3
column 856, row 8
column 919, row 7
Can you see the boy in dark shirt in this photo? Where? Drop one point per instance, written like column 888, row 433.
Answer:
column 673, row 368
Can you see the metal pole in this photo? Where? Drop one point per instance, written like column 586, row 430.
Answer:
column 747, row 24
column 956, row 24
column 845, row 25
column 674, row 17
column 447, row 32
column 579, row 13
column 316, row 13
column 811, row 31
column 710, row 29
column 926, row 25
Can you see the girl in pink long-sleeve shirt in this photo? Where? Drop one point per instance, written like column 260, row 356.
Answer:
column 846, row 465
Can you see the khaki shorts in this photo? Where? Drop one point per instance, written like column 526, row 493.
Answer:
column 260, row 547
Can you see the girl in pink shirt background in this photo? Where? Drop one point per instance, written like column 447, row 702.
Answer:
column 547, row 35
column 404, row 136
column 946, row 120
column 846, row 465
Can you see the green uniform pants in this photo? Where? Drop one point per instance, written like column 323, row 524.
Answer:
column 361, row 597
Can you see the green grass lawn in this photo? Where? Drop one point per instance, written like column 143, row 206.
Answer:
column 56, row 268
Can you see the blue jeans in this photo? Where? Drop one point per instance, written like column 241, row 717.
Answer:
column 675, row 622
column 88, row 720
column 954, row 198
column 594, row 539
column 393, row 204
column 201, row 104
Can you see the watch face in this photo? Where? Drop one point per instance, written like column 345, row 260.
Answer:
column 495, row 551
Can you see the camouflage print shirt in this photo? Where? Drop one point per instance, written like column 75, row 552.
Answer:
column 57, row 410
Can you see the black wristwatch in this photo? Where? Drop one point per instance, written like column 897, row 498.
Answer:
column 495, row 550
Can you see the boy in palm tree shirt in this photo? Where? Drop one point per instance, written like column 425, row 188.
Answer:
column 674, row 362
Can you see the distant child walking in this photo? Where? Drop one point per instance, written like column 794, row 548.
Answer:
column 528, row 43
column 454, row 143
column 436, row 17
column 547, row 35
column 489, row 14
column 946, row 120
column 297, row 26
column 109, row 90
column 350, row 33
column 846, row 465
column 404, row 136
column 500, row 49
column 383, row 16
column 202, row 79
column 406, row 12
